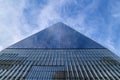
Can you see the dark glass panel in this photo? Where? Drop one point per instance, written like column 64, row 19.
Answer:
column 57, row 36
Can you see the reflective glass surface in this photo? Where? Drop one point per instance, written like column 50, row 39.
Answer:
column 46, row 72
column 57, row 36
column 59, row 64
column 58, row 53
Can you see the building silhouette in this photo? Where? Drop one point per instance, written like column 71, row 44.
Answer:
column 58, row 53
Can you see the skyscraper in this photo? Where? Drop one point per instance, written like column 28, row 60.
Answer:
column 58, row 53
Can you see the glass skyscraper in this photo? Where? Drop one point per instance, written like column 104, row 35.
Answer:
column 58, row 53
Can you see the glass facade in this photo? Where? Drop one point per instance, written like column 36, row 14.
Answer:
column 59, row 64
column 58, row 53
column 57, row 36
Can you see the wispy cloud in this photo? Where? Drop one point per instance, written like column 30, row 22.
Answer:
column 10, row 16
column 98, row 19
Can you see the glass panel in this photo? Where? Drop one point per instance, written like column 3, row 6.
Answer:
column 57, row 36
column 46, row 72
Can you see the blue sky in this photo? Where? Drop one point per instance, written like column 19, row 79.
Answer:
column 97, row 19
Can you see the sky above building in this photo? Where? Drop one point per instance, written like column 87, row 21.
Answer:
column 97, row 19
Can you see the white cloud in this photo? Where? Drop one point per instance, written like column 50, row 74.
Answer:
column 13, row 24
column 10, row 21
column 48, row 16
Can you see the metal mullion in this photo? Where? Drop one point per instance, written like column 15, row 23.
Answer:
column 79, row 69
column 40, row 58
column 117, row 70
column 84, row 69
column 67, row 69
column 70, row 65
column 13, row 72
column 62, row 58
column 98, row 65
column 48, row 59
column 52, row 59
column 27, row 67
column 20, row 74
column 1, row 71
column 110, row 70
column 50, row 62
column 40, row 74
column 48, row 73
column 33, row 56
column 33, row 73
column 20, row 67
column 106, row 70
column 74, row 64
column 53, row 62
column 88, row 68
column 97, row 68
column 95, row 71
column 56, row 57
column 17, row 72
column 116, row 67
column 44, row 75
column 80, row 64
column 30, row 75
column 65, row 64
column 37, row 75
column 45, row 59
column 115, row 73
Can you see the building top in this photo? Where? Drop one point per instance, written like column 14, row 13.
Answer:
column 58, row 35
